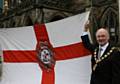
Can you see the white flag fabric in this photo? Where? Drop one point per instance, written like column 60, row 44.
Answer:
column 21, row 65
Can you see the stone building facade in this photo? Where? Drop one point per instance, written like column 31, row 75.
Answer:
column 28, row 12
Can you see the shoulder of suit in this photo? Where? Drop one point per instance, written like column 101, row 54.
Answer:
column 116, row 48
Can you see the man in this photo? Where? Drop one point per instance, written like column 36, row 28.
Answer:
column 105, row 58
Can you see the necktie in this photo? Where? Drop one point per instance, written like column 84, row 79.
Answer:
column 99, row 52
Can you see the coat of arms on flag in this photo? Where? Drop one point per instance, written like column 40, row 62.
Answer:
column 45, row 55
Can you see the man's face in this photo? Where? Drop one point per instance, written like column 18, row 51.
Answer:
column 102, row 37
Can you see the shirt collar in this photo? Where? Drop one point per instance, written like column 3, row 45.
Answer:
column 104, row 47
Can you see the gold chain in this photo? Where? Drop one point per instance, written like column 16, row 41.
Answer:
column 101, row 58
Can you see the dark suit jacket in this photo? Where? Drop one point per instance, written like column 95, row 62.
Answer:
column 107, row 70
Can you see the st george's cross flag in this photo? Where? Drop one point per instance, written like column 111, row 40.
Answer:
column 71, row 60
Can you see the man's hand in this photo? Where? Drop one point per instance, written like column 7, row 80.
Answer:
column 87, row 26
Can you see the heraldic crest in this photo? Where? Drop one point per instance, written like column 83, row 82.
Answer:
column 45, row 55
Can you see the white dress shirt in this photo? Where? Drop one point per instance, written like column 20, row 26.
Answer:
column 103, row 48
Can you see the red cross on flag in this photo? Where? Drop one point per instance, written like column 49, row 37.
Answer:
column 71, row 60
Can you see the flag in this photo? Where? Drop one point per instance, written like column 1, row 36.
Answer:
column 72, row 61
